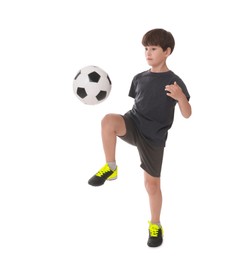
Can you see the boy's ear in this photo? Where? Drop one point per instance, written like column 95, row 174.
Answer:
column 168, row 51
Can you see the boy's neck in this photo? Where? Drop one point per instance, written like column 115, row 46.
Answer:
column 159, row 69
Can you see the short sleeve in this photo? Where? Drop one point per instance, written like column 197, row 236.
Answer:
column 132, row 91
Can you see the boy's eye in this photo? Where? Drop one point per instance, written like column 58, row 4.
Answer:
column 152, row 49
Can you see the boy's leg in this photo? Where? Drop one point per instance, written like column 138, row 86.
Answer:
column 152, row 185
column 112, row 125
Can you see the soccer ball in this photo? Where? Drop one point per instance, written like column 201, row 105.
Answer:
column 92, row 85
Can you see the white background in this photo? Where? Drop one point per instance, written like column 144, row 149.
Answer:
column 50, row 142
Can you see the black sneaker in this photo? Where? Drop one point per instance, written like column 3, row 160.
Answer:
column 155, row 235
column 105, row 173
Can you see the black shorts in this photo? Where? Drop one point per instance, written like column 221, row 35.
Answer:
column 150, row 156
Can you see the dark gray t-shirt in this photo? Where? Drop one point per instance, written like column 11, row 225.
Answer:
column 153, row 110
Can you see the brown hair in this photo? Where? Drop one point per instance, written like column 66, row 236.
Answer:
column 159, row 37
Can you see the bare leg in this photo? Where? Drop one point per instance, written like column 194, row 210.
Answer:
column 112, row 125
column 152, row 185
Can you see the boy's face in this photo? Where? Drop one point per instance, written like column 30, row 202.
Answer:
column 155, row 55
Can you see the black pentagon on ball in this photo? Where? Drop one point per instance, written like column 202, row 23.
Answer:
column 81, row 92
column 94, row 77
column 101, row 95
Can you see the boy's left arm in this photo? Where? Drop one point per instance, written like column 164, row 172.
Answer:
column 174, row 91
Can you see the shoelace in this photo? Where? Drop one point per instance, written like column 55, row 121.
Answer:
column 102, row 171
column 154, row 229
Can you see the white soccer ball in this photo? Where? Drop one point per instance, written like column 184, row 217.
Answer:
column 92, row 85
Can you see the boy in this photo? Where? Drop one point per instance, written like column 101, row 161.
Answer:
column 146, row 125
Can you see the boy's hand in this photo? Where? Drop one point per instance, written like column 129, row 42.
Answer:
column 174, row 91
